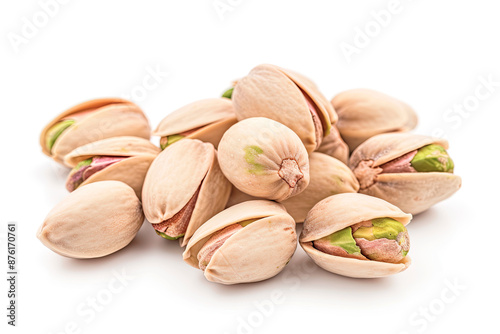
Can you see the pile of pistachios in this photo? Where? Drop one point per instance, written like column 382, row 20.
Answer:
column 234, row 175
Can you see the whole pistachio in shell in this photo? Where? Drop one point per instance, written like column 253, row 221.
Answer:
column 125, row 159
column 206, row 120
column 357, row 235
column 184, row 187
column 93, row 221
column 92, row 121
column 411, row 171
column 264, row 158
column 334, row 146
column 286, row 97
column 328, row 176
column 248, row 242
column 364, row 113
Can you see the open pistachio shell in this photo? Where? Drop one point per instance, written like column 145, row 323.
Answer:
column 258, row 251
column 282, row 95
column 264, row 158
column 338, row 212
column 93, row 221
column 329, row 176
column 334, row 146
column 412, row 192
column 139, row 154
column 206, row 120
column 184, row 183
column 106, row 118
column 364, row 113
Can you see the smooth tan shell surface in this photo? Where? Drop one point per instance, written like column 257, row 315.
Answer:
column 175, row 176
column 329, row 176
column 237, row 196
column 364, row 113
column 271, row 92
column 93, row 221
column 277, row 143
column 334, row 146
column 257, row 252
column 111, row 119
column 353, row 267
column 389, row 146
column 213, row 133
column 195, row 115
column 340, row 211
column 412, row 192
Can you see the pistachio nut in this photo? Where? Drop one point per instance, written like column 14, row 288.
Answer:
column 357, row 235
column 93, row 221
column 228, row 94
column 92, row 121
column 184, row 187
column 206, row 120
column 125, row 159
column 237, row 196
column 329, row 176
column 264, row 158
column 248, row 242
column 411, row 171
column 334, row 146
column 364, row 113
column 286, row 97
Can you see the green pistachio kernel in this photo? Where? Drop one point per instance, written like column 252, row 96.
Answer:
column 344, row 239
column 382, row 228
column 163, row 235
column 251, row 153
column 56, row 131
column 170, row 140
column 247, row 222
column 83, row 164
column 432, row 158
column 228, row 93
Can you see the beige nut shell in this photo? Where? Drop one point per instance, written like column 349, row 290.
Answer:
column 210, row 118
column 329, row 176
column 334, row 146
column 112, row 117
column 272, row 92
column 175, row 176
column 364, row 113
column 340, row 211
column 278, row 143
column 257, row 252
column 93, row 221
column 132, row 171
column 412, row 192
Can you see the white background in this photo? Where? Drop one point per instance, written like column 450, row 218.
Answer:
column 431, row 54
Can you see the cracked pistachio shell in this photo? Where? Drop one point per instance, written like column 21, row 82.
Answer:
column 273, row 92
column 131, row 171
column 264, row 158
column 334, row 146
column 338, row 212
column 206, row 120
column 93, row 221
column 329, row 176
column 178, row 173
column 257, row 252
column 364, row 113
column 412, row 192
column 109, row 117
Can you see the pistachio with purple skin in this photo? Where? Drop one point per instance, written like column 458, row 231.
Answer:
column 357, row 235
column 410, row 171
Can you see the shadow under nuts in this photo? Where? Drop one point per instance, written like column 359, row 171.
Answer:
column 125, row 159
column 93, row 221
column 249, row 242
column 264, row 158
column 357, row 235
column 184, row 187
column 92, row 121
column 411, row 171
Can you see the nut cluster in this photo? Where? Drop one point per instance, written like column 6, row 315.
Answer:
column 233, row 176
